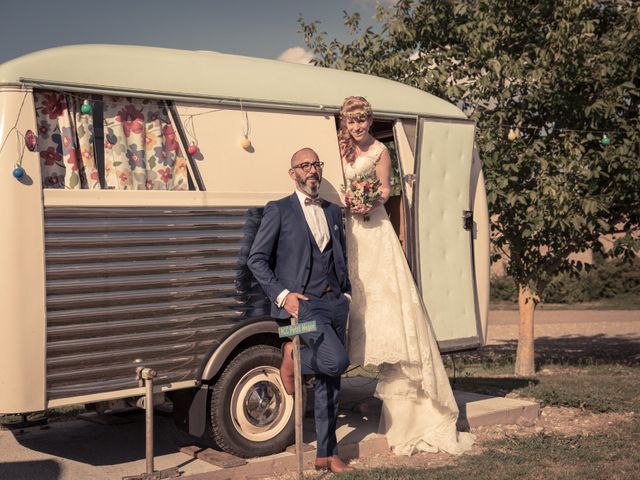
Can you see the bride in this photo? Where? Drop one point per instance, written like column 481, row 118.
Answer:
column 388, row 326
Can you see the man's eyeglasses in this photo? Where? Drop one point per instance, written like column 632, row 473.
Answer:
column 306, row 166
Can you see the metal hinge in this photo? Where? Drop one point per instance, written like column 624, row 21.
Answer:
column 467, row 219
column 409, row 179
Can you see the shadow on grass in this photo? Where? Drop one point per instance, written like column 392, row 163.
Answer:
column 575, row 351
column 494, row 386
column 598, row 373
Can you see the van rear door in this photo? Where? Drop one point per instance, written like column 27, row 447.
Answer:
column 442, row 228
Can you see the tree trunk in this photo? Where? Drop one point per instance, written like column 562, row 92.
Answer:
column 525, row 364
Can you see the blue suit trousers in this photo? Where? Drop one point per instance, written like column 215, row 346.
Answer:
column 324, row 355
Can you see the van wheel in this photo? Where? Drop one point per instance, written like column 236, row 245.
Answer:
column 251, row 414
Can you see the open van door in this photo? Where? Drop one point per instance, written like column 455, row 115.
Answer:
column 443, row 185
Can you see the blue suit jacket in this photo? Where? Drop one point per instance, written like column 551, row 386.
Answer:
column 280, row 256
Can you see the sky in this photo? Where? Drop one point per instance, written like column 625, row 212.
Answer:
column 258, row 28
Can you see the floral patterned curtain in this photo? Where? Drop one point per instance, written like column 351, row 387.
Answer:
column 65, row 142
column 141, row 149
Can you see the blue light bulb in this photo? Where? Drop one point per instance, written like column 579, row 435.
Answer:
column 18, row 171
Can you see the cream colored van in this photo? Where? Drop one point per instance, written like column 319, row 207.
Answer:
column 132, row 182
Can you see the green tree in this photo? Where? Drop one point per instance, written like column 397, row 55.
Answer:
column 565, row 73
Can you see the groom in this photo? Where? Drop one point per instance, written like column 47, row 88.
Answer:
column 298, row 257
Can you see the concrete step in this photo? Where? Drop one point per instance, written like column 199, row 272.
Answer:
column 477, row 410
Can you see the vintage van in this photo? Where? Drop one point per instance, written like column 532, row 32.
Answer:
column 132, row 181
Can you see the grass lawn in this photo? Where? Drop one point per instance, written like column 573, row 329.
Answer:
column 621, row 302
column 613, row 454
column 593, row 379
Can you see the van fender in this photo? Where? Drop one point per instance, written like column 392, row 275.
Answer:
column 230, row 343
column 190, row 407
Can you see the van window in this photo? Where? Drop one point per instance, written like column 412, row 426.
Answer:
column 104, row 142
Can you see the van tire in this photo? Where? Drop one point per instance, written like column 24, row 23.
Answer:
column 252, row 379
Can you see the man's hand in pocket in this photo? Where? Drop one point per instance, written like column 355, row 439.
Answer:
column 292, row 303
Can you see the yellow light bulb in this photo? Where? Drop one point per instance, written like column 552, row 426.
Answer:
column 245, row 143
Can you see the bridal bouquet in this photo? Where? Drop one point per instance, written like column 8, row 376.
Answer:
column 362, row 190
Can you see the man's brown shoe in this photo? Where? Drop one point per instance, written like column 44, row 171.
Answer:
column 286, row 368
column 332, row 464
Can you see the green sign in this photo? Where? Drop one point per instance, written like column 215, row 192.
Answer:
column 293, row 330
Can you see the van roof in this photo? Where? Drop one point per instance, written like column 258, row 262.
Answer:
column 206, row 76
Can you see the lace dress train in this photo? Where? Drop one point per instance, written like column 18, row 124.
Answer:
column 390, row 329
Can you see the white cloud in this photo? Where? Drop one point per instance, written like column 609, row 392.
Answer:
column 296, row 55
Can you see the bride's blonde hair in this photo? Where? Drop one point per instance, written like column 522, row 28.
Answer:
column 352, row 107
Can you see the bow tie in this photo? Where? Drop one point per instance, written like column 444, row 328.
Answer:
column 313, row 201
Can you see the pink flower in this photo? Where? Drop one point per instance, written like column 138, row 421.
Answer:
column 50, row 156
column 53, row 105
column 131, row 118
column 362, row 190
column 95, row 176
column 124, row 178
column 149, row 185
column 165, row 174
column 73, row 159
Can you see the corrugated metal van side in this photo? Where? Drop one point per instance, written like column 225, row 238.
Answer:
column 132, row 286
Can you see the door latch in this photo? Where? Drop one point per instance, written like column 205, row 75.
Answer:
column 409, row 179
column 467, row 219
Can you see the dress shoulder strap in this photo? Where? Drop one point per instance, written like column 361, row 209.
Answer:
column 378, row 147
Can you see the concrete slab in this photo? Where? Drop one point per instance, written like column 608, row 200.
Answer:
column 70, row 450
column 359, row 413
column 281, row 464
column 477, row 410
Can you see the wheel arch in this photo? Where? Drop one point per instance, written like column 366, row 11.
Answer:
column 191, row 407
column 260, row 332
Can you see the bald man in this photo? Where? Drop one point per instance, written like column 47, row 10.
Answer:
column 299, row 259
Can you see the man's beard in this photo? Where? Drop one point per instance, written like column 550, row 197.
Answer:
column 311, row 190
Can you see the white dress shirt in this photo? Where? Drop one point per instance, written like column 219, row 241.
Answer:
column 317, row 222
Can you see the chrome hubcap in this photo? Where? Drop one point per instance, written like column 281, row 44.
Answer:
column 260, row 408
column 262, row 403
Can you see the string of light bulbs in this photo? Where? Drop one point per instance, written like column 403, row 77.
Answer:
column 187, row 119
column 86, row 108
column 515, row 132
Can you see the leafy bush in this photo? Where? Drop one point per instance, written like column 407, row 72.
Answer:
column 609, row 279
column 503, row 289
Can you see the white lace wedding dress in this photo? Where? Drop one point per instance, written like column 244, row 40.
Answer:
column 389, row 329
